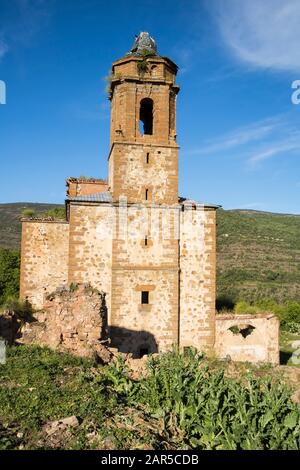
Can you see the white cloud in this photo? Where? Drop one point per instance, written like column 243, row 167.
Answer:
column 262, row 33
column 256, row 142
column 271, row 150
column 241, row 136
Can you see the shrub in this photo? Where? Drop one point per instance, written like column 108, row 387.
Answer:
column 9, row 274
column 28, row 213
column 293, row 312
column 288, row 313
column 244, row 307
column 56, row 213
column 291, row 327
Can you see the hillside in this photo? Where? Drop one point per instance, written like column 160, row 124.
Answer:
column 258, row 255
column 10, row 226
column 258, row 252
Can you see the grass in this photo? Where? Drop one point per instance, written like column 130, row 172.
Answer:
column 183, row 402
column 38, row 386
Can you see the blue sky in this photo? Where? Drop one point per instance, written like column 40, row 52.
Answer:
column 237, row 126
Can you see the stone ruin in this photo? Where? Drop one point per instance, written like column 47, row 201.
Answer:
column 73, row 320
column 252, row 338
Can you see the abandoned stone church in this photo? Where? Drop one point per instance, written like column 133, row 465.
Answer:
column 132, row 237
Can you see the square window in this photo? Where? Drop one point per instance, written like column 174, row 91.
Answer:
column 145, row 297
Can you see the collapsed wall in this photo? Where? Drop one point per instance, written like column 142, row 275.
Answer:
column 253, row 338
column 73, row 320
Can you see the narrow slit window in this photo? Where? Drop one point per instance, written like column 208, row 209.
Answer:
column 146, row 116
column 146, row 241
column 147, row 158
column 146, row 194
column 145, row 297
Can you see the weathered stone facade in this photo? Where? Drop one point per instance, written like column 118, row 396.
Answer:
column 132, row 237
column 44, row 258
column 197, row 277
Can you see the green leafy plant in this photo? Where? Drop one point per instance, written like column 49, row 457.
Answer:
column 73, row 287
column 9, row 274
column 206, row 410
column 142, row 66
column 28, row 213
column 56, row 213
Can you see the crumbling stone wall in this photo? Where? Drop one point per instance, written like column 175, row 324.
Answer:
column 253, row 338
column 83, row 187
column 73, row 319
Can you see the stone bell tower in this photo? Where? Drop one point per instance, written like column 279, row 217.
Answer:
column 143, row 169
column 143, row 161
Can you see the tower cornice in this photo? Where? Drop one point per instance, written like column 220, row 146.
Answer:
column 150, row 59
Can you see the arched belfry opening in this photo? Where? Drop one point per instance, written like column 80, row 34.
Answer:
column 146, row 116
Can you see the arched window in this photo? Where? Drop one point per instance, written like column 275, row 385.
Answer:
column 146, row 116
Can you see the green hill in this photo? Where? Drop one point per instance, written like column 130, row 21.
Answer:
column 258, row 252
column 10, row 225
column 258, row 255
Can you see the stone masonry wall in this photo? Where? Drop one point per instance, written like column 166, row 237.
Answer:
column 132, row 175
column 253, row 338
column 138, row 267
column 44, row 258
column 153, row 326
column 125, row 107
column 90, row 248
column 197, row 278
